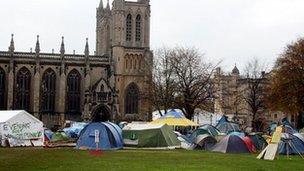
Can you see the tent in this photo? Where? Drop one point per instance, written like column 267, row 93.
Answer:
column 205, row 129
column 227, row 127
column 223, row 119
column 106, row 134
column 211, row 129
column 149, row 135
column 301, row 130
column 186, row 143
column 240, row 134
column 48, row 134
column 290, row 144
column 258, row 141
column 174, row 118
column 59, row 136
column 75, row 129
column 300, row 136
column 249, row 144
column 205, row 142
column 19, row 128
column 231, row 144
column 287, row 128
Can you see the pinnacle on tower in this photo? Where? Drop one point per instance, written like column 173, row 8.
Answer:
column 62, row 49
column 235, row 70
column 86, row 51
column 11, row 48
column 108, row 5
column 37, row 48
column 101, row 4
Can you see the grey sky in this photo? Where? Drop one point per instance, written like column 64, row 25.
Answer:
column 231, row 30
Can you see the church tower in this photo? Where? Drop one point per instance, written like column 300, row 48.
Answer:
column 123, row 33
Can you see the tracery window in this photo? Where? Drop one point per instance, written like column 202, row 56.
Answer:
column 138, row 28
column 132, row 99
column 23, row 89
column 129, row 28
column 73, row 92
column 48, row 91
column 2, row 89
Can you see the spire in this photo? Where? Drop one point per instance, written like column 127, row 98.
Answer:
column 37, row 48
column 62, row 49
column 235, row 70
column 11, row 48
column 101, row 4
column 108, row 5
column 86, row 51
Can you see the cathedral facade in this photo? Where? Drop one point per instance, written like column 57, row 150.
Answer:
column 109, row 85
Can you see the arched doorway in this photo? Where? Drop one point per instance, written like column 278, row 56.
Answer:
column 101, row 114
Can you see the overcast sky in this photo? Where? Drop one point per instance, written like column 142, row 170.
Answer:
column 234, row 31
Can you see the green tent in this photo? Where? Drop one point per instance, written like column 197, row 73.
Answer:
column 148, row 135
column 59, row 136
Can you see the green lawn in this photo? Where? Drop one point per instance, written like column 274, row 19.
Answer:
column 143, row 160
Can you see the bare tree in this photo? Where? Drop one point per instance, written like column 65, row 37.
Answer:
column 193, row 79
column 254, row 92
column 163, row 88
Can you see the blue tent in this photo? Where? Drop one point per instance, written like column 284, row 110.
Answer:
column 291, row 144
column 75, row 129
column 224, row 119
column 173, row 114
column 110, row 136
column 228, row 127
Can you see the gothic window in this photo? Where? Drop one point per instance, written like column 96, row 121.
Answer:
column 129, row 28
column 102, row 88
column 48, row 91
column 73, row 92
column 132, row 99
column 23, row 89
column 138, row 28
column 2, row 89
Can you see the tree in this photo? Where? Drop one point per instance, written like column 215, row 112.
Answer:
column 163, row 88
column 254, row 92
column 287, row 87
column 193, row 77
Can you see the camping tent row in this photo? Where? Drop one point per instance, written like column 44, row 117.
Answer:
column 19, row 128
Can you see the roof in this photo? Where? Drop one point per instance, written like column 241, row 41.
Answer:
column 235, row 70
column 6, row 115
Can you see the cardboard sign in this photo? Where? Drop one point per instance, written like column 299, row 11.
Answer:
column 276, row 137
column 96, row 136
column 271, row 150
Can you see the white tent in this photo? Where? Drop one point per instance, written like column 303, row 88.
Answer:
column 19, row 128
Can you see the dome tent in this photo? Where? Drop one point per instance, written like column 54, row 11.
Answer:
column 109, row 136
column 228, row 127
column 290, row 144
column 205, row 142
column 205, row 129
column 231, row 144
column 258, row 141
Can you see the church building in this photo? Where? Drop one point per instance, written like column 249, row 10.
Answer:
column 109, row 85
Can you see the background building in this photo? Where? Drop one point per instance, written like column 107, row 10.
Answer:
column 108, row 85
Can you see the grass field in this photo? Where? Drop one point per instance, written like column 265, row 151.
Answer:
column 143, row 160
